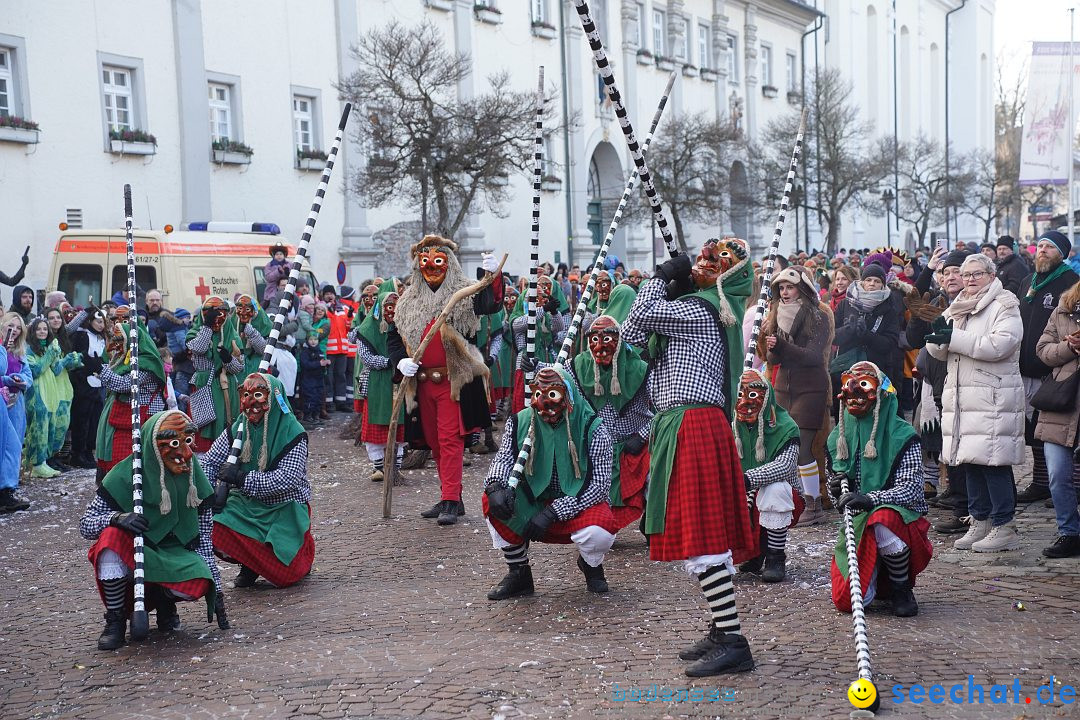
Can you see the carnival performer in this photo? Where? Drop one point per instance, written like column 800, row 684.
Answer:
column 696, row 502
column 175, row 525
column 372, row 351
column 113, row 442
column 881, row 456
column 451, row 392
column 796, row 341
column 250, row 315
column 368, row 297
column 216, row 354
column 551, row 323
column 48, row 404
column 265, row 526
column 502, row 372
column 15, row 380
column 491, row 338
column 563, row 496
column 768, row 443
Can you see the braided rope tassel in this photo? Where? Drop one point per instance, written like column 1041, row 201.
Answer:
column 140, row 621
column 858, row 613
column 604, row 67
column 534, row 241
column 767, row 270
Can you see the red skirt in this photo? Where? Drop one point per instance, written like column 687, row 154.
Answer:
column 561, row 530
column 517, row 400
column 203, row 444
column 372, row 433
column 122, row 543
column 358, row 405
column 233, row 547
column 914, row 535
column 706, row 498
column 498, row 393
column 633, row 471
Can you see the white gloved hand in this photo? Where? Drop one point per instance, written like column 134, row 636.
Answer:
column 407, row 367
column 488, row 262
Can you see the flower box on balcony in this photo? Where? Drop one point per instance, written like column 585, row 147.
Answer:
column 544, row 30
column 794, row 98
column 18, row 135
column 446, row 5
column 310, row 159
column 489, row 15
column 551, row 183
column 769, row 91
column 709, row 75
column 690, row 70
column 230, row 152
column 644, row 57
column 124, row 147
column 665, row 63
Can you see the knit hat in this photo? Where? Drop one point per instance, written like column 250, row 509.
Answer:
column 347, row 292
column 883, row 258
column 181, row 313
column 955, row 258
column 873, row 270
column 798, row 277
column 1006, row 241
column 1063, row 244
column 326, row 289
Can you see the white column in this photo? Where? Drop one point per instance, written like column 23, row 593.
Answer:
column 193, row 108
column 470, row 237
column 576, row 92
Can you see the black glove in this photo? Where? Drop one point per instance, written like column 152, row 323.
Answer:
column 225, row 355
column 26, row 255
column 677, row 268
column 856, row 502
column 835, row 488
column 528, row 365
column 489, row 360
column 229, row 473
column 500, row 501
column 859, row 328
column 136, row 524
column 633, row 445
column 551, row 305
column 209, row 315
column 219, row 611
column 942, row 331
column 540, row 523
column 747, row 485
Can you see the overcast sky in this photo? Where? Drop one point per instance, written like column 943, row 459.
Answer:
column 1019, row 22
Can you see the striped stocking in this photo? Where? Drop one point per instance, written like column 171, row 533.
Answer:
column 720, row 594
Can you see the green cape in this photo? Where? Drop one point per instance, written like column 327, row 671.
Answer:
column 149, row 360
column 227, row 338
column 380, row 387
column 550, row 451
column 632, row 370
column 779, row 428
column 892, row 438
column 263, row 325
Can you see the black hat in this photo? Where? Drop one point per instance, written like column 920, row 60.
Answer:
column 1006, row 241
column 328, row 288
column 955, row 258
column 873, row 270
column 1059, row 239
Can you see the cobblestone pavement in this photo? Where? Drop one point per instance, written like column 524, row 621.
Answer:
column 394, row 622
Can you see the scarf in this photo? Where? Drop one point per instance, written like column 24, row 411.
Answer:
column 786, row 314
column 963, row 306
column 1037, row 284
column 866, row 300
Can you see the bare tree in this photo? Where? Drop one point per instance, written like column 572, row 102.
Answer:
column 1008, row 130
column 988, row 189
column 840, row 159
column 427, row 147
column 926, row 190
column 690, row 160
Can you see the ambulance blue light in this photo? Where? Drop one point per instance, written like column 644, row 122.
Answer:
column 197, row 226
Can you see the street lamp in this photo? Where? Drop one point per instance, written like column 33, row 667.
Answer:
column 887, row 198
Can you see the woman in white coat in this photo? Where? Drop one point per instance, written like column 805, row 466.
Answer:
column 982, row 417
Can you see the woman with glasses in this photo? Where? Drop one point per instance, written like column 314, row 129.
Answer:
column 982, row 415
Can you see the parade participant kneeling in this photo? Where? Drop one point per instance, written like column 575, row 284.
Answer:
column 611, row 377
column 768, row 443
column 563, row 496
column 266, row 523
column 178, row 559
column 881, row 456
column 696, row 502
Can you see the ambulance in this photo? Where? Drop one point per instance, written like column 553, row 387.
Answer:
column 187, row 266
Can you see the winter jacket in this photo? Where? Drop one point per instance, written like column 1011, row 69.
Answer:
column 877, row 332
column 17, row 307
column 802, row 380
column 1059, row 427
column 982, row 414
column 1034, row 313
column 340, row 316
column 1012, row 271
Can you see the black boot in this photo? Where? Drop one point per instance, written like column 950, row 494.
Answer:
column 112, row 636
column 246, row 578
column 903, row 601
column 703, row 646
column 517, row 583
column 84, row 462
column 951, row 526
column 168, row 620
column 774, row 566
column 730, row 655
column 753, row 565
column 489, row 442
column 450, row 512
column 594, row 576
column 10, row 502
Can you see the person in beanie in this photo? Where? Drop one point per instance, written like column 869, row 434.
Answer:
column 175, row 525
column 768, row 443
column 880, row 456
column 1011, row 270
column 1039, row 295
column 265, row 526
column 867, row 327
column 695, row 510
column 563, row 495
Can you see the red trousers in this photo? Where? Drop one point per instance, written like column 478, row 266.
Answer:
column 440, row 418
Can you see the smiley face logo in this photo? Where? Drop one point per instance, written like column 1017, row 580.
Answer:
column 862, row 693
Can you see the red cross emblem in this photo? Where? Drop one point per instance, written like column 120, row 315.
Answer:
column 202, row 290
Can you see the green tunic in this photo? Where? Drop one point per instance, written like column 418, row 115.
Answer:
column 380, row 385
column 227, row 399
column 150, row 361
column 48, row 400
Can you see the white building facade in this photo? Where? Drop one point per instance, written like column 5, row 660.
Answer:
column 203, row 75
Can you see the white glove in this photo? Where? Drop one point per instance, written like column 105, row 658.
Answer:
column 407, row 367
column 488, row 262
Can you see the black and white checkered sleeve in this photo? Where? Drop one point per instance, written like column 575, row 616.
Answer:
column 369, row 357
column 907, row 486
column 597, row 486
column 235, row 366
column 519, row 328
column 495, row 346
column 634, row 418
column 96, row 518
column 653, row 313
column 288, row 482
column 213, row 458
column 200, row 343
column 783, row 468
column 115, row 383
column 206, row 544
column 76, row 322
column 255, row 340
column 503, row 462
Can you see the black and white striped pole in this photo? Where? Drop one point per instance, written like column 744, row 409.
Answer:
column 604, row 67
column 534, row 240
column 140, row 620
column 770, row 261
column 288, row 297
column 858, row 612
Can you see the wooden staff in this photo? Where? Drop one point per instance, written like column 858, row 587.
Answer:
column 406, row 386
